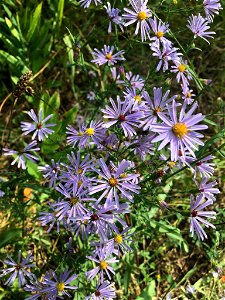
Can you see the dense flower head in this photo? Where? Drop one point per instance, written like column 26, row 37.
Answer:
column 183, row 74
column 180, row 131
column 106, row 56
column 199, row 26
column 140, row 14
column 39, row 126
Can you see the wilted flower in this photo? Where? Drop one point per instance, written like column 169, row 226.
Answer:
column 211, row 7
column 23, row 155
column 198, row 215
column 199, row 26
column 114, row 17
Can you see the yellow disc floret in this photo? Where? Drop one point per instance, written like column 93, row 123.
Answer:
column 181, row 68
column 188, row 94
column 118, row 239
column 74, row 200
column 103, row 265
column 108, row 56
column 60, row 286
column 159, row 34
column 137, row 98
column 142, row 15
column 180, row 129
column 90, row 131
column 112, row 181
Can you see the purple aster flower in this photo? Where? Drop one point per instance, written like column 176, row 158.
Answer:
column 39, row 127
column 104, row 291
column 159, row 30
column 114, row 17
column 72, row 205
column 142, row 146
column 183, row 74
column 179, row 132
column 91, row 96
column 207, row 190
column 80, row 167
column 49, row 218
column 198, row 215
column 135, row 97
column 106, row 56
column 166, row 54
column 156, row 107
column 187, row 94
column 36, row 287
column 73, row 136
column 51, row 172
column 121, row 114
column 19, row 269
column 100, row 221
column 58, row 287
column 23, row 155
column 199, row 26
column 111, row 141
column 135, row 80
column 205, row 168
column 86, row 3
column 94, row 133
column 103, row 267
column 139, row 14
column 211, row 7
column 113, row 182
column 118, row 244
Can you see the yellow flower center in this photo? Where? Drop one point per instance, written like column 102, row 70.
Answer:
column 108, row 56
column 171, row 164
column 73, row 200
column 123, row 175
column 112, row 181
column 103, row 265
column 157, row 110
column 180, row 129
column 159, row 34
column 79, row 183
column 118, row 239
column 137, row 98
column 60, row 286
column 142, row 15
column 90, row 131
column 80, row 171
column 80, row 133
column 181, row 68
column 189, row 95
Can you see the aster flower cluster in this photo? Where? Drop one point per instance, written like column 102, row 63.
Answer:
column 101, row 176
